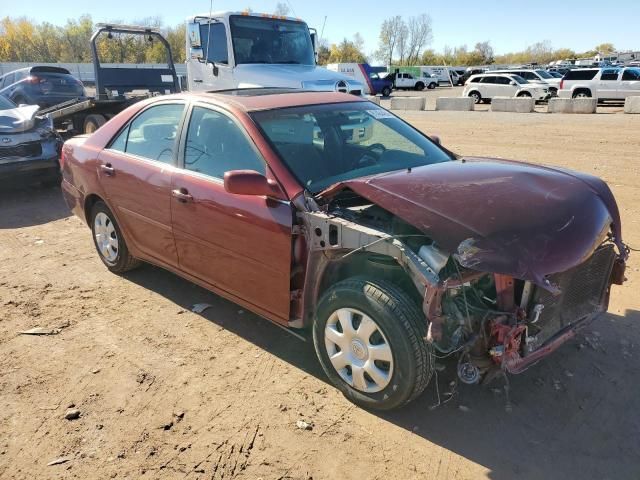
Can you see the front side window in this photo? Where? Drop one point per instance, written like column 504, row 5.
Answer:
column 214, row 42
column 519, row 79
column 215, row 144
column 325, row 144
column 270, row 40
column 544, row 74
column 631, row 74
column 152, row 134
column 503, row 80
column 488, row 80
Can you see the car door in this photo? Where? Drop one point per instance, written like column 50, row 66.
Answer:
column 488, row 87
column 135, row 171
column 216, row 73
column 503, row 87
column 630, row 83
column 239, row 244
column 608, row 84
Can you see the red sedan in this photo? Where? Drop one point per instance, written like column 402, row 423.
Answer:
column 323, row 211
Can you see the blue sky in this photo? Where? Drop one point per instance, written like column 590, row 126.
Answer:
column 510, row 25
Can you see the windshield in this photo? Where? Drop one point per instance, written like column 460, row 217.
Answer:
column 6, row 104
column 326, row 144
column 544, row 74
column 270, row 40
column 519, row 79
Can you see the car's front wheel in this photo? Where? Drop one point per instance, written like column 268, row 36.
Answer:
column 386, row 91
column 524, row 95
column 369, row 338
column 109, row 242
column 477, row 98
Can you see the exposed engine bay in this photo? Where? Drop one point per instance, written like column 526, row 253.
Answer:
column 494, row 322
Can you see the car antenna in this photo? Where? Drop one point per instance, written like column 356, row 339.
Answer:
column 206, row 53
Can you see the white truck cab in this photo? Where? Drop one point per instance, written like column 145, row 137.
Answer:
column 227, row 50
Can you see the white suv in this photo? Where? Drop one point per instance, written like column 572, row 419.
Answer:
column 488, row 85
column 536, row 76
column 602, row 83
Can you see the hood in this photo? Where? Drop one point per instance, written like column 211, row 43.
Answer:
column 291, row 76
column 500, row 216
column 19, row 119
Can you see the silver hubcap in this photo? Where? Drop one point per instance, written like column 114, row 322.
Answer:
column 358, row 350
column 106, row 237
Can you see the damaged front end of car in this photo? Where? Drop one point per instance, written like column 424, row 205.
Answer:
column 501, row 298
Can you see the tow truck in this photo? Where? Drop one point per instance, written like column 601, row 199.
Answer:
column 116, row 87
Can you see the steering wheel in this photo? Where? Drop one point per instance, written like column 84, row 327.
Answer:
column 377, row 149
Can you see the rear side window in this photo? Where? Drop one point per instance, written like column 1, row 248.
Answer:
column 8, row 80
column 152, row 134
column 580, row 74
column 609, row 75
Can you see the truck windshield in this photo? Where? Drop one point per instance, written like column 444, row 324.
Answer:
column 270, row 40
column 326, row 144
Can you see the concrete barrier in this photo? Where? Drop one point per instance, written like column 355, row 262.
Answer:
column 374, row 99
column 408, row 103
column 573, row 105
column 632, row 105
column 455, row 104
column 512, row 104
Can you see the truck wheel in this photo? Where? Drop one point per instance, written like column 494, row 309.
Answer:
column 386, row 92
column 419, row 86
column 477, row 98
column 583, row 93
column 369, row 338
column 432, row 85
column 109, row 241
column 93, row 122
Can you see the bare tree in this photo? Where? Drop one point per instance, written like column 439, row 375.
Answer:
column 403, row 42
column 282, row 9
column 485, row 50
column 389, row 33
column 419, row 36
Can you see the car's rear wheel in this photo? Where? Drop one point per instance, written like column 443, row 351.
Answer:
column 93, row 122
column 477, row 98
column 582, row 94
column 369, row 338
column 109, row 241
column 432, row 85
column 419, row 86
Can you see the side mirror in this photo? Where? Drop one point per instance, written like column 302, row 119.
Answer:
column 250, row 182
column 435, row 139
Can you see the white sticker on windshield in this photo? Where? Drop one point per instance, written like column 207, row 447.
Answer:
column 380, row 113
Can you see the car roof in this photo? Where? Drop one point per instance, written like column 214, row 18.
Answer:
column 254, row 99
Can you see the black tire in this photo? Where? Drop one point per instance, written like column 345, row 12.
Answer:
column 419, row 86
column 93, row 122
column 524, row 95
column 386, row 92
column 400, row 320
column 582, row 93
column 477, row 98
column 123, row 261
column 432, row 85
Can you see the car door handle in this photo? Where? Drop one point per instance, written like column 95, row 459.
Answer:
column 108, row 170
column 182, row 195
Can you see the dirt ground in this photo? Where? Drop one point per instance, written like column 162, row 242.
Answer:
column 165, row 393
